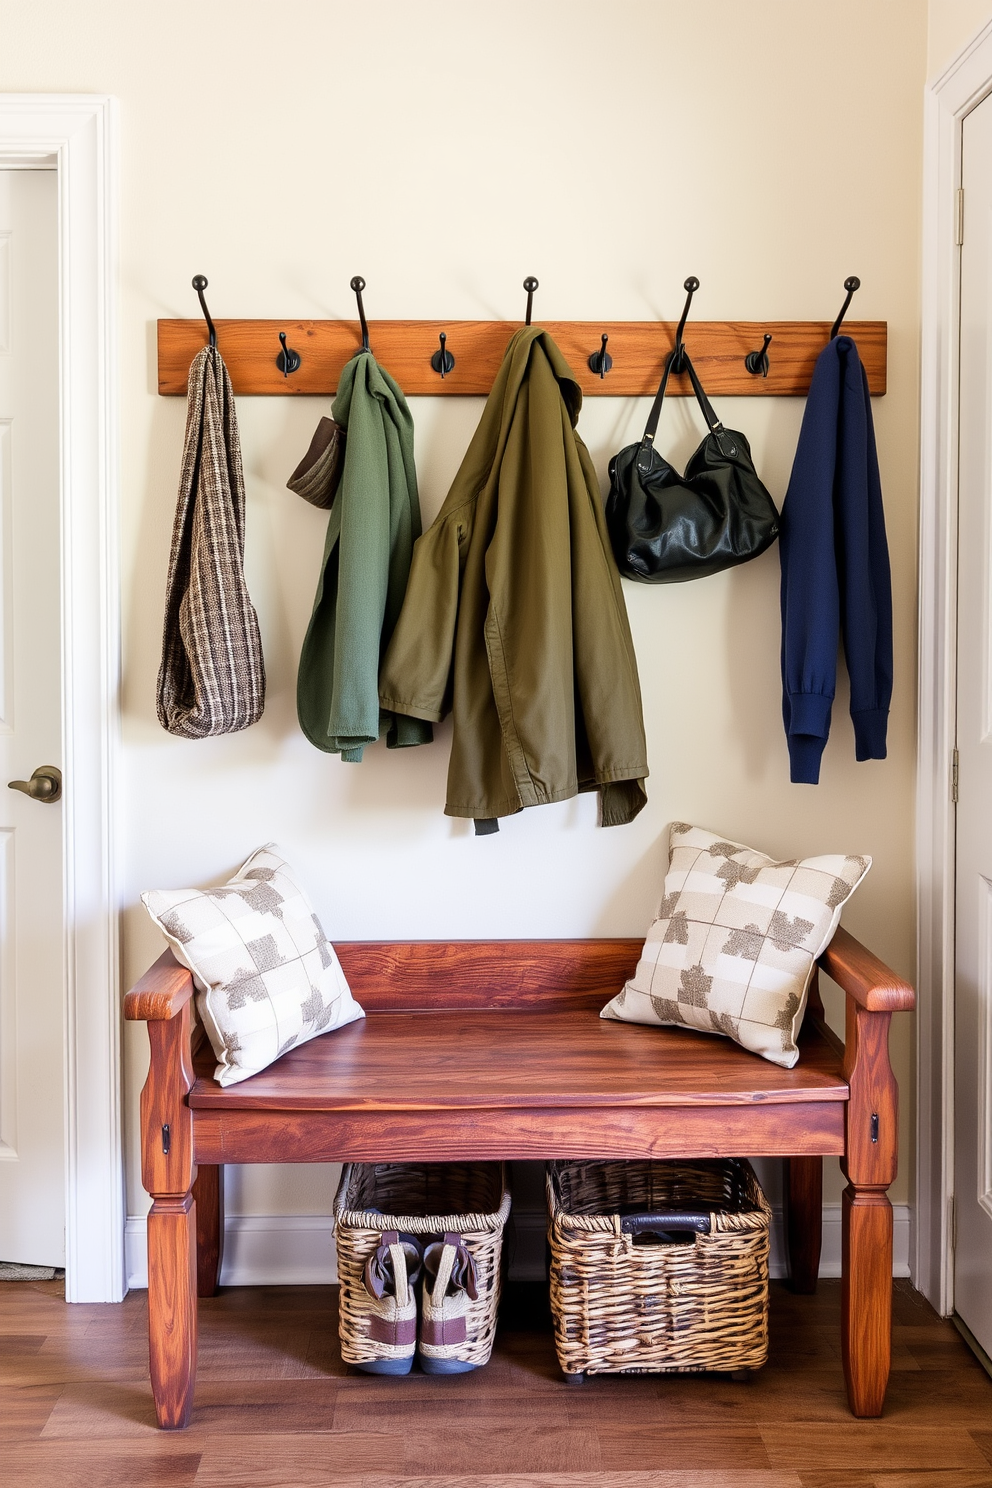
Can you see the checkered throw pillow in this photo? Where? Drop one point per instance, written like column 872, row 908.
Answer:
column 267, row 976
column 734, row 944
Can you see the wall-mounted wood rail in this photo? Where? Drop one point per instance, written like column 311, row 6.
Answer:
column 405, row 348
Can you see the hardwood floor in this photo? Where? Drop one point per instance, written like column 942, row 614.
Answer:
column 276, row 1409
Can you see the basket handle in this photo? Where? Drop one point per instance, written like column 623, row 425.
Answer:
column 664, row 1221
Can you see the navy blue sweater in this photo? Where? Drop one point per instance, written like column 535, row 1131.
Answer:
column 835, row 568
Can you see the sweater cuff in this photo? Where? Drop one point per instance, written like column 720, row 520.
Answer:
column 870, row 726
column 805, row 752
column 809, row 725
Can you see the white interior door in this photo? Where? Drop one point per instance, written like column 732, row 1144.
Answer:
column 973, row 985
column 32, row 1142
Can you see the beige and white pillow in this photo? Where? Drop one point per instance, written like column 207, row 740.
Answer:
column 736, row 938
column 267, row 975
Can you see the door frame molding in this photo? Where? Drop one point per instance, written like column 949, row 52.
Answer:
column 78, row 134
column 948, row 99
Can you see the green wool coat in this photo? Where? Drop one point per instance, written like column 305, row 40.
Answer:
column 514, row 620
column 373, row 525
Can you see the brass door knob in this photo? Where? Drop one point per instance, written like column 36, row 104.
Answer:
column 45, row 784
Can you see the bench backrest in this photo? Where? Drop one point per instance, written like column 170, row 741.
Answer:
column 544, row 974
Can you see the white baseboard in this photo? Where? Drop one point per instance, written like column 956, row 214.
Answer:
column 298, row 1249
column 259, row 1250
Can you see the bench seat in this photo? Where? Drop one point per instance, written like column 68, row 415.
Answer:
column 439, row 1061
column 495, row 1050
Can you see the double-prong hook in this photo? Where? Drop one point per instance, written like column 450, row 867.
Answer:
column 757, row 361
column 600, row 362
column 442, row 361
column 287, row 360
column 358, row 284
column 850, row 285
column 200, row 284
column 530, row 284
column 678, row 356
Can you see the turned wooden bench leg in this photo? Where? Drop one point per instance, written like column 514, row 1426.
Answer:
column 168, row 1173
column 803, row 1220
column 208, row 1191
column 172, row 1330
column 866, row 1297
column 869, row 1163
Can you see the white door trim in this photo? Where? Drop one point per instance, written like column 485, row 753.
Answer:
column 955, row 92
column 79, row 131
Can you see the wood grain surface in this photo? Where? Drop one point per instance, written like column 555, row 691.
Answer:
column 172, row 1308
column 803, row 1205
column 867, row 979
column 276, row 1407
column 208, row 1195
column 405, row 348
column 477, row 1135
column 162, row 991
column 456, row 1060
column 567, row 975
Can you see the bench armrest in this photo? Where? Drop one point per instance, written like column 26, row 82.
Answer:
column 864, row 978
column 162, row 992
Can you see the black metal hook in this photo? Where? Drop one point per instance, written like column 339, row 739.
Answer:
column 442, row 361
column 288, row 360
column 757, row 361
column 850, row 285
column 678, row 356
column 600, row 362
column 358, row 284
column 200, row 284
column 530, row 284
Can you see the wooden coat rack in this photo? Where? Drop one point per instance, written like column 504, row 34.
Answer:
column 431, row 357
column 405, row 348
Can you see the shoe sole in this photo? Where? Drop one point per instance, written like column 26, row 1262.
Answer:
column 445, row 1366
column 386, row 1366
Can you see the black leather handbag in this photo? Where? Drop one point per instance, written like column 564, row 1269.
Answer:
column 666, row 528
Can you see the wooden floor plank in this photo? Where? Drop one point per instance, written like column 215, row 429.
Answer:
column 551, row 1447
column 97, row 1465
column 225, row 1406
column 846, row 1479
column 22, row 1343
column 277, row 1408
column 297, row 1459
column 955, row 1478
column 608, row 1478
column 869, row 1446
column 983, row 1439
column 657, row 1447
column 24, row 1410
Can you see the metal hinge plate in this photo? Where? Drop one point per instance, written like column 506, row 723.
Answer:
column 954, row 776
column 952, row 1223
column 959, row 216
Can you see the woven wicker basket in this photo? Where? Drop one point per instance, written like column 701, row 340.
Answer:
column 633, row 1305
column 421, row 1199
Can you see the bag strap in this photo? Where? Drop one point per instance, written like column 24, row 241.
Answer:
column 715, row 424
column 651, row 427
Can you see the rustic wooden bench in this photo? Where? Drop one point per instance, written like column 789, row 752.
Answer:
column 494, row 1049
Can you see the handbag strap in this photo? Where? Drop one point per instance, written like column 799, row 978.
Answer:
column 651, row 427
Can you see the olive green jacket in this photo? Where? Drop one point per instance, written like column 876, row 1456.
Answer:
column 371, row 530
column 513, row 618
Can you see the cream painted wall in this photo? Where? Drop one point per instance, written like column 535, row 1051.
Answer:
column 444, row 151
column 951, row 24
